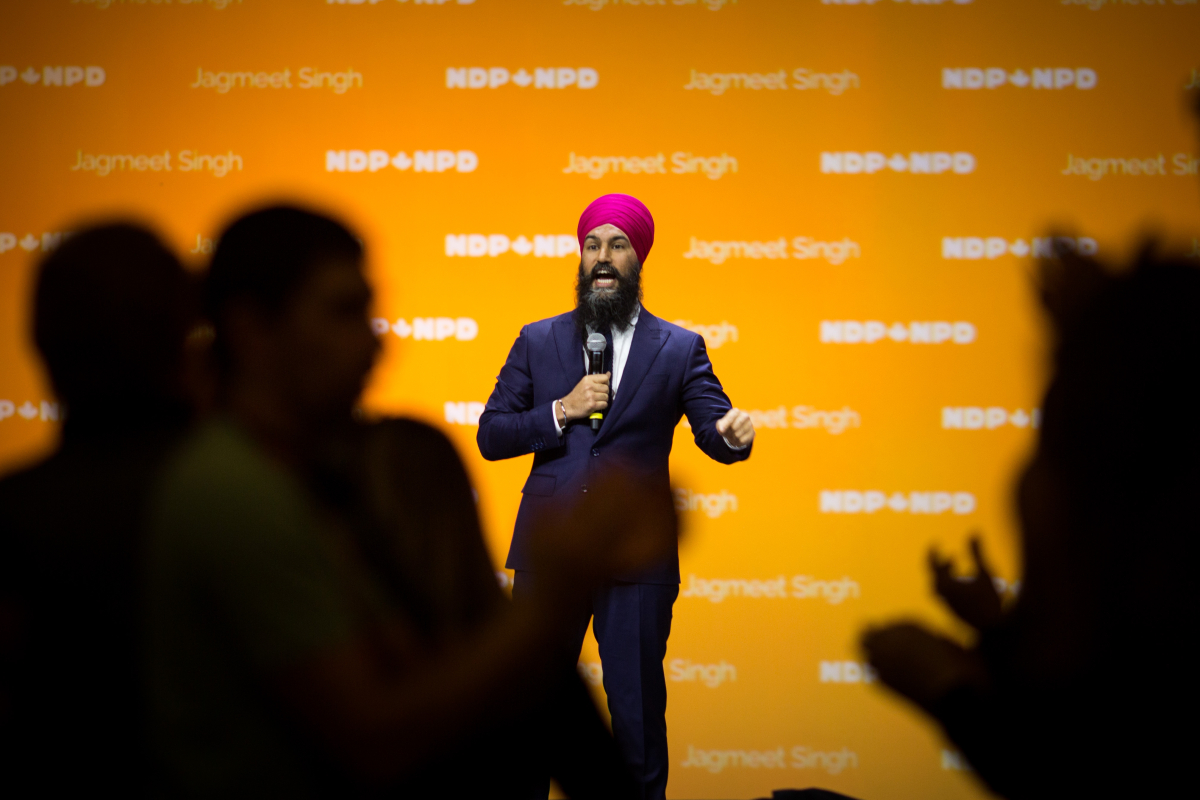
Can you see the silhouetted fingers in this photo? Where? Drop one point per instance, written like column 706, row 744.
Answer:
column 941, row 568
column 977, row 554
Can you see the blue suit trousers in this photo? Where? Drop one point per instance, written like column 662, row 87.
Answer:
column 632, row 622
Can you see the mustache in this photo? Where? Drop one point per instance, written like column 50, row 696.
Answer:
column 604, row 271
column 609, row 308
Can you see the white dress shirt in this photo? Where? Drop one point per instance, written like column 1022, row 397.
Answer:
column 621, row 340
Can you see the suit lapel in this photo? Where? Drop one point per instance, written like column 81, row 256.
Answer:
column 570, row 349
column 648, row 338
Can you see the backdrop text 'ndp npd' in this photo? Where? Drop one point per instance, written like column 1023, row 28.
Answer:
column 848, row 196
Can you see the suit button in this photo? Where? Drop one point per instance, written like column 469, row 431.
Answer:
column 595, row 451
column 583, row 488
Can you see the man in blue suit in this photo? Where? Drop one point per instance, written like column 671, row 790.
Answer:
column 655, row 372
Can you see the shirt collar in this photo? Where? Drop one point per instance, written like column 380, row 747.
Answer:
column 632, row 320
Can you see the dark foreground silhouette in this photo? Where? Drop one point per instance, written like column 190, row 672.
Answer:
column 1079, row 689
column 112, row 308
column 322, row 619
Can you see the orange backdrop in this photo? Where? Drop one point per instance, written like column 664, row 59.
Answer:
column 848, row 195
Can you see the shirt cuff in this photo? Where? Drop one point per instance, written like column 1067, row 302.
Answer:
column 554, row 413
column 727, row 444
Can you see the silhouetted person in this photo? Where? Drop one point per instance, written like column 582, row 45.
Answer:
column 323, row 621
column 1082, row 688
column 111, row 311
column 404, row 491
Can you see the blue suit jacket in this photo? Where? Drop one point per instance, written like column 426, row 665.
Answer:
column 667, row 374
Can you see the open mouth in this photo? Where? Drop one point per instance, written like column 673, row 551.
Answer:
column 604, row 278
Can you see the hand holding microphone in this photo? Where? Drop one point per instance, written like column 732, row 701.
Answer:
column 589, row 398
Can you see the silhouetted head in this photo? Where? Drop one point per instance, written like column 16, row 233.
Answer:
column 288, row 302
column 1118, row 460
column 112, row 309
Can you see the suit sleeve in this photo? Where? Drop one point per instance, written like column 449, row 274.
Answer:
column 511, row 425
column 705, row 402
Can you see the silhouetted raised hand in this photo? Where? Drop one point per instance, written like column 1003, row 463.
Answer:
column 973, row 598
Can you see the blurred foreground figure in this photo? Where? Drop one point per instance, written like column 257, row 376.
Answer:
column 1079, row 688
column 323, row 617
column 112, row 308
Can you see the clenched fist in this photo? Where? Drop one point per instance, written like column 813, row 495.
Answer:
column 588, row 396
column 736, row 428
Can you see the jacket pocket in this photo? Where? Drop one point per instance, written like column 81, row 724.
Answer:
column 541, row 485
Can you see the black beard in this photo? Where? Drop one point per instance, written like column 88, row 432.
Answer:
column 600, row 311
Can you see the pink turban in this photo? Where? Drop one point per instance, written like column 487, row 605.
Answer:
column 627, row 213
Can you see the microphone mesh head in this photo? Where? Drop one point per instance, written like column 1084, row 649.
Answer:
column 596, row 342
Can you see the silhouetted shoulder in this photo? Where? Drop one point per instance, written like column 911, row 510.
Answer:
column 15, row 487
column 416, row 434
column 420, row 453
column 425, row 539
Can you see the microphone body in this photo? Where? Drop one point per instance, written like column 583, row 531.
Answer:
column 595, row 347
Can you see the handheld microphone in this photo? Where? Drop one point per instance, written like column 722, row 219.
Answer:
column 595, row 347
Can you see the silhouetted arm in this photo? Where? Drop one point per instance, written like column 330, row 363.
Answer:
column 383, row 727
column 383, row 723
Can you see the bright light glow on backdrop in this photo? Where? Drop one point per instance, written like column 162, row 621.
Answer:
column 848, row 196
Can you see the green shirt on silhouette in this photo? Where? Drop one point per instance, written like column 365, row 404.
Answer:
column 242, row 578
